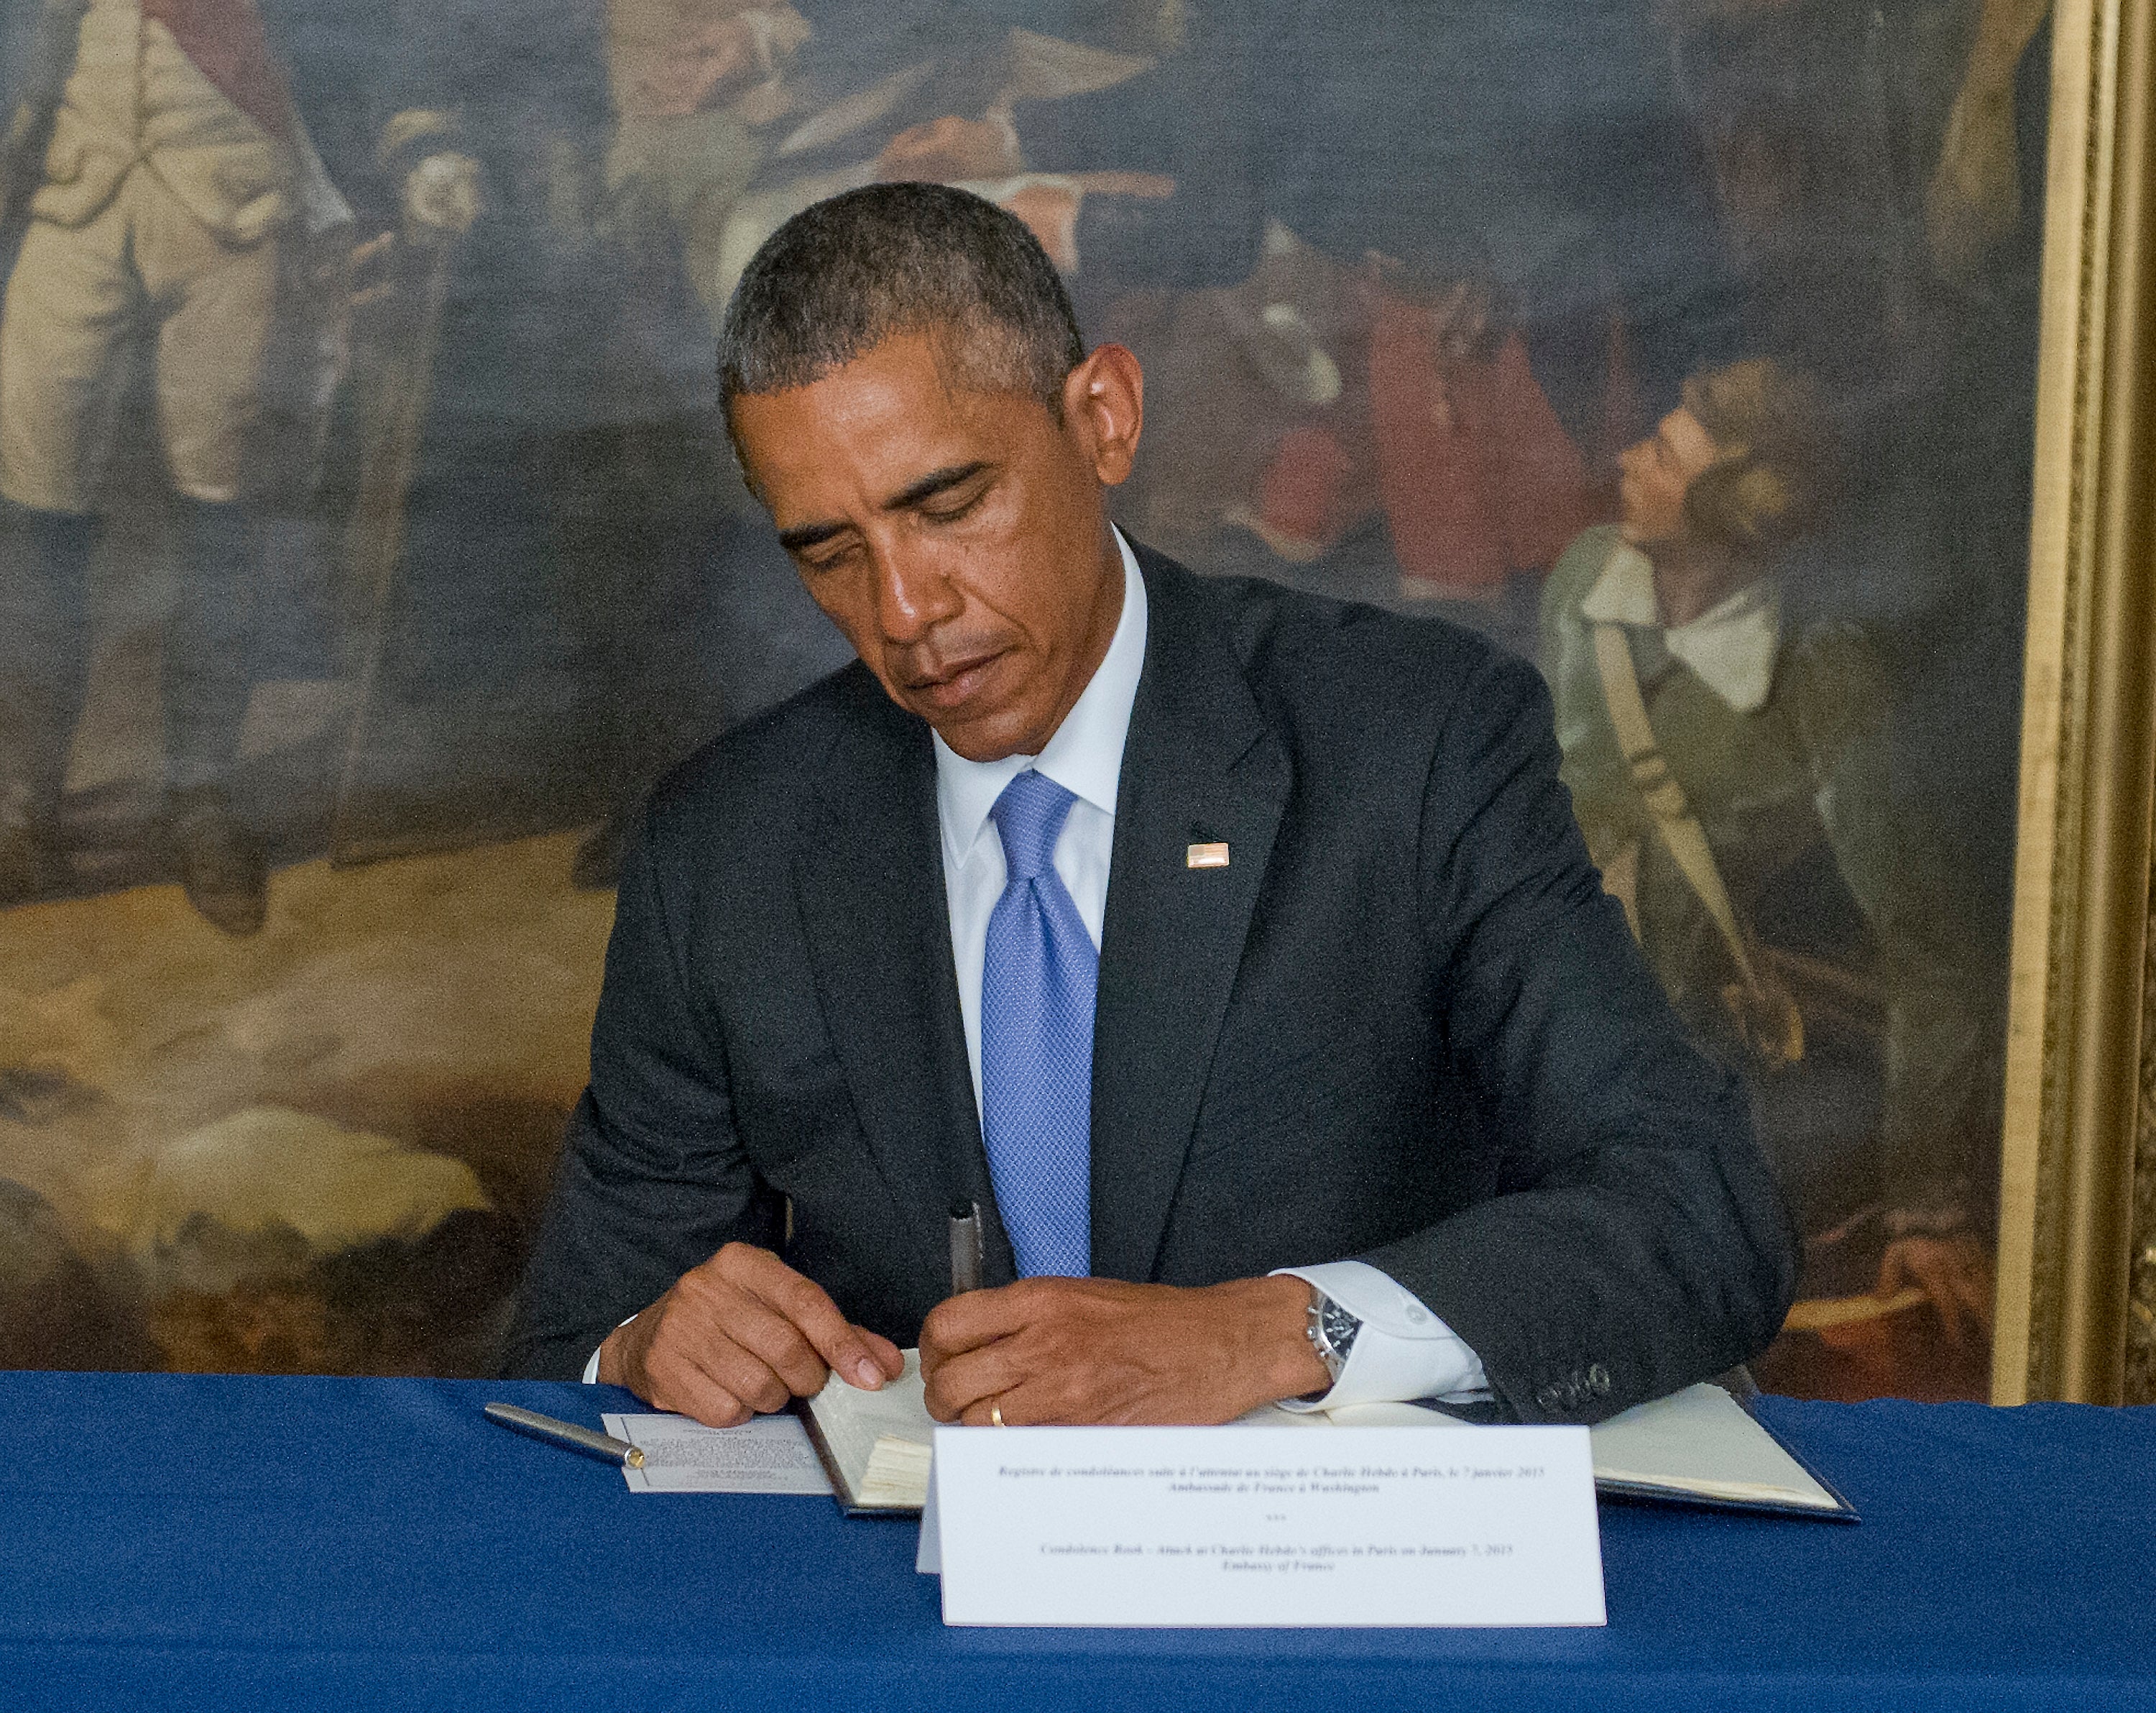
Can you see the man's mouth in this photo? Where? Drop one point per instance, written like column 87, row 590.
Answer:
column 953, row 684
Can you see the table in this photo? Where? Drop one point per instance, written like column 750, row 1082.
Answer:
column 198, row 1541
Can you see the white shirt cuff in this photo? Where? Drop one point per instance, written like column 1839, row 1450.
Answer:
column 1403, row 1351
column 592, row 1367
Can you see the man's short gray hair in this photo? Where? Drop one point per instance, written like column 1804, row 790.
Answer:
column 844, row 276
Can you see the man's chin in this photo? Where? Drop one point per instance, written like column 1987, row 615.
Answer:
column 977, row 723
column 985, row 739
column 983, row 734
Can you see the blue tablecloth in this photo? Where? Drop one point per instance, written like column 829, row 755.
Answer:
column 179, row 1542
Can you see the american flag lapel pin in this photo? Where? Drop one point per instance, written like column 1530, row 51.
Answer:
column 1205, row 856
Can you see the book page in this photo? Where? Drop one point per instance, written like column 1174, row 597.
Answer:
column 1703, row 1441
column 852, row 1421
column 1700, row 1441
column 897, row 1474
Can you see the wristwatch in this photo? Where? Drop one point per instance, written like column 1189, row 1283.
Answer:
column 1331, row 1332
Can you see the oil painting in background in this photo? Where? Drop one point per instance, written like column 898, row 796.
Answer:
column 370, row 544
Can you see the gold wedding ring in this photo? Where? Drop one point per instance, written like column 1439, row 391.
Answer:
column 995, row 1414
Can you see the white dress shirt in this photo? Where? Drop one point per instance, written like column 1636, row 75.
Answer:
column 1402, row 1350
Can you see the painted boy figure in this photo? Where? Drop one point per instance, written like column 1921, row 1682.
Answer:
column 1728, row 769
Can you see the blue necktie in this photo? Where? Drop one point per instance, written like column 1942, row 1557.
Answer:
column 1037, row 980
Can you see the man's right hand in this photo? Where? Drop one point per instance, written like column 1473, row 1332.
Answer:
column 743, row 1332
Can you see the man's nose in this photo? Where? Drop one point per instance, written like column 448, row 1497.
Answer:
column 912, row 597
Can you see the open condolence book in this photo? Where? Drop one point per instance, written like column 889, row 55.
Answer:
column 1699, row 1447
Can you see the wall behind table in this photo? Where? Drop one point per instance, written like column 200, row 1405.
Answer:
column 1427, row 269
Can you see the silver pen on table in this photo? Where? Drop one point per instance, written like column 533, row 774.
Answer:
column 965, row 1247
column 539, row 1427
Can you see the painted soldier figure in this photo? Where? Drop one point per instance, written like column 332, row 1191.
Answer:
column 160, row 194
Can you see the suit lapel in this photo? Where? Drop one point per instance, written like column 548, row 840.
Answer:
column 1199, row 767
column 869, row 873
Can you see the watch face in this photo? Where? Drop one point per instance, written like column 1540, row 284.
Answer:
column 1340, row 1328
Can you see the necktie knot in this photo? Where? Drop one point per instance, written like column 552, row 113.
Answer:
column 1029, row 817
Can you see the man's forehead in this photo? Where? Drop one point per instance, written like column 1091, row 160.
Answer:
column 903, row 373
column 883, row 422
column 910, row 377
column 875, row 452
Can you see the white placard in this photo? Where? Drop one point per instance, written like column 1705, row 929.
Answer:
column 1220, row 1526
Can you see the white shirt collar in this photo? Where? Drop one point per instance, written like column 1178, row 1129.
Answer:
column 1730, row 647
column 1086, row 755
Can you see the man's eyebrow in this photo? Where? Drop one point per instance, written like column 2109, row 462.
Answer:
column 808, row 535
column 936, row 481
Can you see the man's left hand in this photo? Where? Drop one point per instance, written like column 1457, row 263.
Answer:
column 1080, row 1352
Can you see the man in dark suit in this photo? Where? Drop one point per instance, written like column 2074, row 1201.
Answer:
column 1196, row 930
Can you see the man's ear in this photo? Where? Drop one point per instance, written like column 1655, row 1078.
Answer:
column 1104, row 404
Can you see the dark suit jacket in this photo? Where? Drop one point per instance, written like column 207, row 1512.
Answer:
column 1404, row 1024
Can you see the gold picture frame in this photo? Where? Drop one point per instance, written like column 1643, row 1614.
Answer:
column 2082, row 873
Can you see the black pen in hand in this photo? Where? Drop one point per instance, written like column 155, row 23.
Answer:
column 965, row 1247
